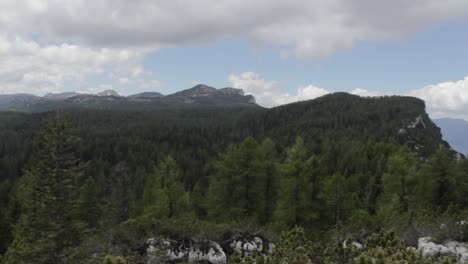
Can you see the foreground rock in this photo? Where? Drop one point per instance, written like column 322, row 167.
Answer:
column 200, row 250
column 162, row 250
column 247, row 244
column 453, row 249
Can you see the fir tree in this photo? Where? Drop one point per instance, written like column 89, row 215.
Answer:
column 47, row 193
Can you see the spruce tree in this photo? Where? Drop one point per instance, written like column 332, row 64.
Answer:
column 47, row 194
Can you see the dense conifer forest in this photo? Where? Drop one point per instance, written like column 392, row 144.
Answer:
column 91, row 186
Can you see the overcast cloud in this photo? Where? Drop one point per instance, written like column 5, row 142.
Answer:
column 47, row 44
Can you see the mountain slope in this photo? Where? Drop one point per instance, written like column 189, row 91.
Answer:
column 146, row 95
column 455, row 131
column 18, row 102
column 60, row 96
column 343, row 116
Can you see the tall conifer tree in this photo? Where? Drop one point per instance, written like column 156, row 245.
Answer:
column 47, row 194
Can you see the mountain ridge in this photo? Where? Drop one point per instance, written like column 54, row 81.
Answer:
column 109, row 99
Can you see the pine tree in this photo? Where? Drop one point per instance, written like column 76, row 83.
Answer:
column 47, row 193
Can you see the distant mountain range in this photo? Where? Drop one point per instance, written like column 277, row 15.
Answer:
column 110, row 99
column 455, row 131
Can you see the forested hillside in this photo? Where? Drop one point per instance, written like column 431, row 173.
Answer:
column 84, row 185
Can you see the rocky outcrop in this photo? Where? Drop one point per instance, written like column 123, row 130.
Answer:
column 247, row 244
column 201, row 250
column 164, row 250
column 429, row 249
column 417, row 123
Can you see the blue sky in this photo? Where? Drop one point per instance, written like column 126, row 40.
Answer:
column 280, row 51
column 433, row 55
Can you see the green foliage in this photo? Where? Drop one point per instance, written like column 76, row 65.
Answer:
column 114, row 260
column 244, row 183
column 293, row 247
column 164, row 194
column 297, row 198
column 47, row 194
column 385, row 247
column 440, row 179
column 87, row 211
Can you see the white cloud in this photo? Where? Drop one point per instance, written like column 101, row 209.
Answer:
column 310, row 92
column 30, row 67
column 448, row 99
column 366, row 93
column 269, row 93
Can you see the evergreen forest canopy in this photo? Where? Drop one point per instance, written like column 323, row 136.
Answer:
column 89, row 185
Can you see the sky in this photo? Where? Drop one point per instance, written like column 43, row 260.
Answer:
column 280, row 51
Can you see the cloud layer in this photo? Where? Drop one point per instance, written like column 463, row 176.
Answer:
column 304, row 28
